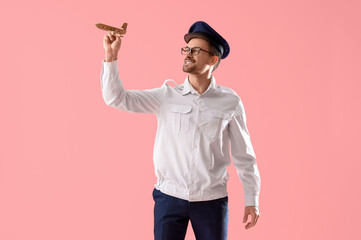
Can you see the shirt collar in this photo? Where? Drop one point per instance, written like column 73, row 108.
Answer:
column 187, row 87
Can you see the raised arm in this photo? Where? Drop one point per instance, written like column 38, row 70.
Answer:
column 114, row 94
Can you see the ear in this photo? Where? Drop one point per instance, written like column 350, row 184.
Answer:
column 214, row 60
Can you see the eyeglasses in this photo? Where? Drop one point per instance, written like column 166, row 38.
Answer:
column 193, row 50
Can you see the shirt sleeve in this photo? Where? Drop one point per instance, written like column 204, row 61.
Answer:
column 243, row 156
column 114, row 94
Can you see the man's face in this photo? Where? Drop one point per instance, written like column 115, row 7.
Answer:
column 197, row 64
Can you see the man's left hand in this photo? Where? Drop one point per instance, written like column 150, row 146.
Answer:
column 254, row 212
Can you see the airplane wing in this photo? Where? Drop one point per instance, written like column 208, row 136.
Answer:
column 105, row 27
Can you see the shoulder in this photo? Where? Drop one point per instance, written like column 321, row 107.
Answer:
column 228, row 91
column 236, row 99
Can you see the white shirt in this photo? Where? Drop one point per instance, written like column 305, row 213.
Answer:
column 194, row 135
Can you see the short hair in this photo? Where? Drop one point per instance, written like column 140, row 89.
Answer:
column 214, row 50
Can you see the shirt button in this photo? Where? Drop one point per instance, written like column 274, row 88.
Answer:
column 195, row 146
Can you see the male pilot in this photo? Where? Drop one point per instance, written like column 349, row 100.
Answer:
column 198, row 121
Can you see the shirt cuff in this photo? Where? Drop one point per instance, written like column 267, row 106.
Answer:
column 110, row 66
column 251, row 201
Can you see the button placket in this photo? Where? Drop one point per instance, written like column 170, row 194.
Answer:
column 195, row 154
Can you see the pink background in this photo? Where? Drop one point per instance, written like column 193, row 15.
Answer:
column 73, row 168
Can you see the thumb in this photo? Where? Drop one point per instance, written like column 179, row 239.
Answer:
column 245, row 217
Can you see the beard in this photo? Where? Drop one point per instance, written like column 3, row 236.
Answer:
column 189, row 68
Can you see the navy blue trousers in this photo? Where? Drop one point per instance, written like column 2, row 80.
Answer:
column 209, row 219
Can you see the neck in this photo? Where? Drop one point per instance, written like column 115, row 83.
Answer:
column 200, row 82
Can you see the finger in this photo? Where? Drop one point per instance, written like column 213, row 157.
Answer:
column 117, row 37
column 115, row 34
column 110, row 39
column 247, row 226
column 106, row 38
column 110, row 36
column 254, row 220
column 250, row 224
column 257, row 219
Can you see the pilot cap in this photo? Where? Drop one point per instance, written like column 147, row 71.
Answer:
column 202, row 30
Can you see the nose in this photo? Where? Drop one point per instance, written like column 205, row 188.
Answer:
column 189, row 53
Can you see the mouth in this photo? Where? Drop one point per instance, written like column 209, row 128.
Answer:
column 188, row 61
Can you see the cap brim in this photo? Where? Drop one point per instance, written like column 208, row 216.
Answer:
column 189, row 36
column 204, row 36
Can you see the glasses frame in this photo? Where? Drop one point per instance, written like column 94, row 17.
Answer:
column 192, row 52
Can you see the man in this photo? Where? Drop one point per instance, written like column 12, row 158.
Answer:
column 197, row 123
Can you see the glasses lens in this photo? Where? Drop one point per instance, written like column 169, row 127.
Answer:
column 196, row 50
column 184, row 50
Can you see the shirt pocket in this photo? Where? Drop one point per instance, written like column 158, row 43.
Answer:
column 178, row 117
column 216, row 123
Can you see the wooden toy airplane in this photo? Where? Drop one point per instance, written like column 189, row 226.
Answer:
column 120, row 31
